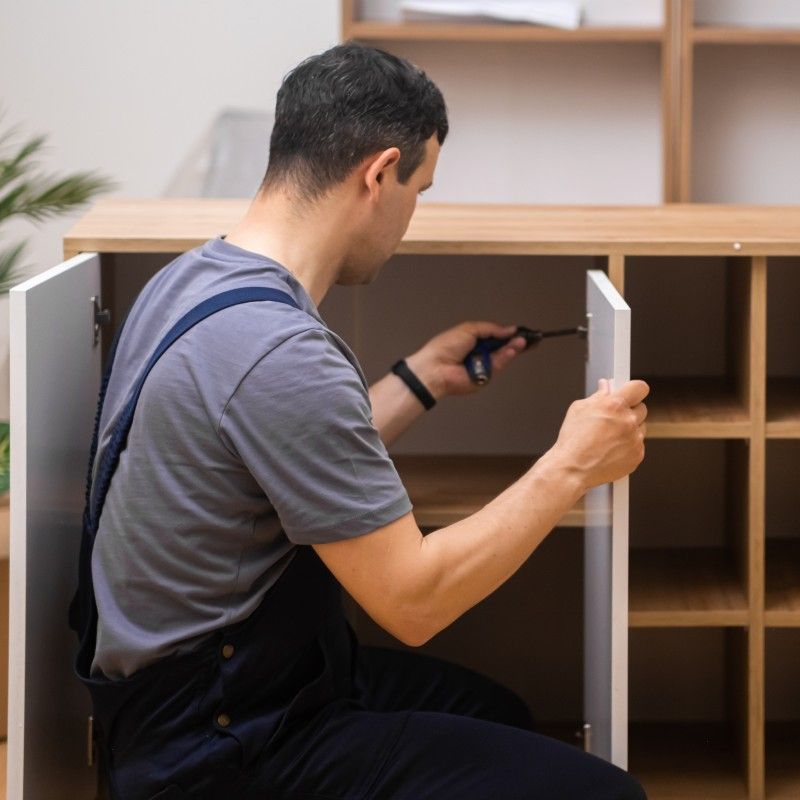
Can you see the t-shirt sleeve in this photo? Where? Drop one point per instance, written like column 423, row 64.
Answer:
column 301, row 422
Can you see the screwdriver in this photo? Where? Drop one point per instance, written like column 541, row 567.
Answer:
column 479, row 362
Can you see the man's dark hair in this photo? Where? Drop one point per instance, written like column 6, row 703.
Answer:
column 336, row 108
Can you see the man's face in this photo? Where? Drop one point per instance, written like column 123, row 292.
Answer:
column 389, row 221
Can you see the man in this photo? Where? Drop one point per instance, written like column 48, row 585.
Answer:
column 242, row 477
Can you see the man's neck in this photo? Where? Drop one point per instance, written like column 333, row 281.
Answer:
column 308, row 240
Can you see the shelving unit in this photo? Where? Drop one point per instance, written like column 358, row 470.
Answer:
column 676, row 38
column 696, row 278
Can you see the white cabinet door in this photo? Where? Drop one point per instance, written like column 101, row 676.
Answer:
column 55, row 370
column 606, row 543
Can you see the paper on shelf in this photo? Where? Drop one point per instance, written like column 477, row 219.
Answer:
column 554, row 13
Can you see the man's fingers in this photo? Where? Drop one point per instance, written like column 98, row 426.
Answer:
column 640, row 412
column 483, row 328
column 633, row 392
column 501, row 357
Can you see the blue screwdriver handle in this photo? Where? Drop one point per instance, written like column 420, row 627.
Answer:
column 478, row 362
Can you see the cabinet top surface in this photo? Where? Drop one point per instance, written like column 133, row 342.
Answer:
column 174, row 225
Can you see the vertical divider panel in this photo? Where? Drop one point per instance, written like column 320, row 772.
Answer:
column 747, row 353
column 756, row 524
column 686, row 78
column 348, row 17
column 676, row 99
column 616, row 271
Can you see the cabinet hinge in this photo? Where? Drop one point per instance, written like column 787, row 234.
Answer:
column 90, row 741
column 100, row 316
column 585, row 734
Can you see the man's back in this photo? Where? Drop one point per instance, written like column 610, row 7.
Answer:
column 189, row 540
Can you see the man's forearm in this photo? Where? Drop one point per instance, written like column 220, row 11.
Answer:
column 465, row 562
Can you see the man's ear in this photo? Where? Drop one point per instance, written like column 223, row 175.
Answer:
column 378, row 166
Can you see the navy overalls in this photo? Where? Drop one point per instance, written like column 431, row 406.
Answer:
column 198, row 719
column 286, row 705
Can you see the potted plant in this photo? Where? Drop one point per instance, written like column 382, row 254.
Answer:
column 28, row 193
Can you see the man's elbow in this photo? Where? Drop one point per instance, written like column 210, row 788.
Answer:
column 414, row 635
column 414, row 623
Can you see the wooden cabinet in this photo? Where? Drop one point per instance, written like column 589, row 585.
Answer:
column 687, row 25
column 714, row 579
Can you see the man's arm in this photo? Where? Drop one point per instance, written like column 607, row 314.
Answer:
column 438, row 364
column 414, row 586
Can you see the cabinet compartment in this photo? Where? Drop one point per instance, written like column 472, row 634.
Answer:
column 688, row 729
column 783, row 349
column 782, row 601
column 782, row 715
column 688, row 558
column 415, row 297
column 691, row 340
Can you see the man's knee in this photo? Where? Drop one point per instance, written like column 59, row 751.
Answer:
column 634, row 790
column 624, row 787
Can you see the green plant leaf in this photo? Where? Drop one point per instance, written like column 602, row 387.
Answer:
column 13, row 168
column 45, row 196
column 26, row 192
column 11, row 270
column 5, row 457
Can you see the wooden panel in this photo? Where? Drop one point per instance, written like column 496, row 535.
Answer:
column 692, row 761
column 445, row 489
column 676, row 100
column 669, row 95
column 368, row 31
column 685, row 77
column 685, row 587
column 695, row 408
column 782, row 606
column 348, row 18
column 742, row 35
column 616, row 272
column 167, row 225
column 755, row 525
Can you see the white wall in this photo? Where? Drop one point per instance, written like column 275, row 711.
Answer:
column 129, row 87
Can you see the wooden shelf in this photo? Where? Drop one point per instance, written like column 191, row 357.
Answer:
column 174, row 225
column 783, row 408
column 695, row 408
column 782, row 761
column 374, row 30
column 741, row 35
column 685, row 587
column 686, row 761
column 782, row 600
column 445, row 489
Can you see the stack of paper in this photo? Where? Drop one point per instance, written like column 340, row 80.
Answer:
column 555, row 13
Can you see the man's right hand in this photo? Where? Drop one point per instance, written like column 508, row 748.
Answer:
column 602, row 436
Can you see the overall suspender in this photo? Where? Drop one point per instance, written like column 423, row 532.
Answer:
column 83, row 611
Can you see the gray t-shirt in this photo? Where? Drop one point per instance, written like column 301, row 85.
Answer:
column 253, row 434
